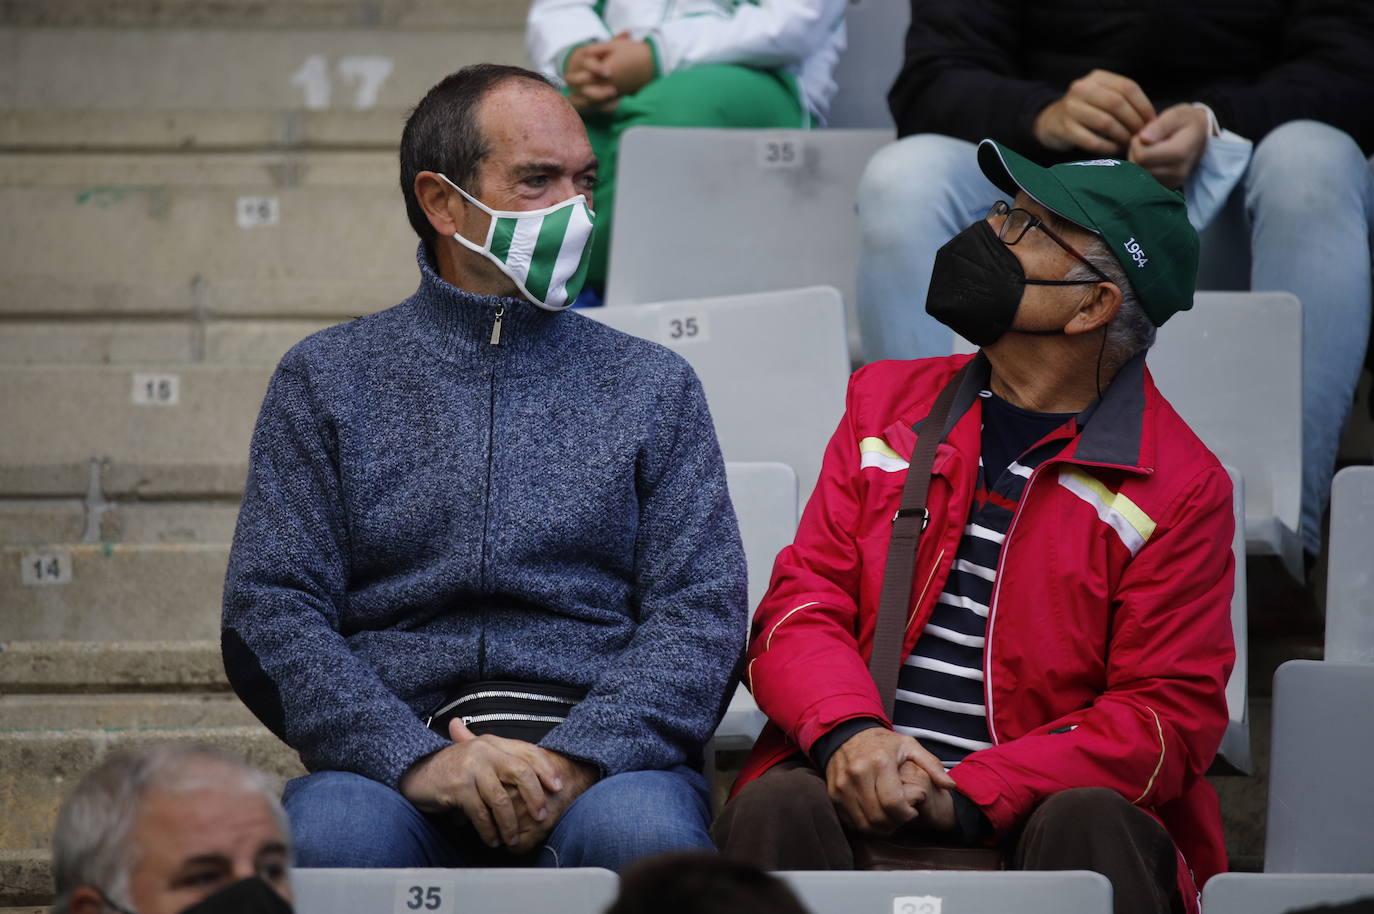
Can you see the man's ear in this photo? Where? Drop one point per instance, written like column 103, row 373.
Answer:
column 85, row 900
column 1097, row 309
column 441, row 203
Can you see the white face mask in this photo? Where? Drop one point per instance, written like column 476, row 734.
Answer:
column 544, row 251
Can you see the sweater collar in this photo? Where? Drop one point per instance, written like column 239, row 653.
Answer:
column 459, row 324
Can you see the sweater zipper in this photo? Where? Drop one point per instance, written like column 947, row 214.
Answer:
column 496, row 325
column 486, row 501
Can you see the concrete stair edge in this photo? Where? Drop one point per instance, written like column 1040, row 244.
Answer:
column 370, row 14
column 25, row 879
column 47, row 667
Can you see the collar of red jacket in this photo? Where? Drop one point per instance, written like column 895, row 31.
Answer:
column 1112, row 427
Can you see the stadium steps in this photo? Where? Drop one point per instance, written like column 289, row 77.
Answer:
column 187, row 188
column 162, row 235
column 38, row 767
column 65, row 705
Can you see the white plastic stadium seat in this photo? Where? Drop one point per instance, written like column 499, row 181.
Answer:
column 445, row 891
column 869, row 63
column 1320, row 803
column 951, row 892
column 765, row 498
column 1235, row 743
column 1349, row 575
column 1232, row 367
column 715, row 212
column 1279, row 893
column 773, row 366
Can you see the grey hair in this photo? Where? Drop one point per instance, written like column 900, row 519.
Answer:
column 1131, row 331
column 92, row 846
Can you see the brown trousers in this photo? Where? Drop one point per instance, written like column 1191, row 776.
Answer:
column 785, row 820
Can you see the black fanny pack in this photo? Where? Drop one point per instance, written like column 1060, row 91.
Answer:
column 515, row 710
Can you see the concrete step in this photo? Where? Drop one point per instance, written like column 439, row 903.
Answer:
column 91, row 667
column 123, row 711
column 159, row 431
column 437, row 14
column 108, row 592
column 241, row 68
column 282, row 235
column 39, row 767
column 130, row 341
column 25, row 881
column 199, row 130
column 39, row 522
column 36, row 521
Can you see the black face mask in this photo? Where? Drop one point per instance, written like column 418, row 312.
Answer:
column 247, row 896
column 977, row 283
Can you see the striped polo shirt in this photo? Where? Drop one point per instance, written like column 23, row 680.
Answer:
column 940, row 687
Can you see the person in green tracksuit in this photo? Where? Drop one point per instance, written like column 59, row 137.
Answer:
column 684, row 63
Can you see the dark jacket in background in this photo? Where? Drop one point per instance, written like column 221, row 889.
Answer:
column 986, row 68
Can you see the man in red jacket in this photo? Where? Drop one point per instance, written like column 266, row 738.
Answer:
column 1182, row 88
column 1067, row 636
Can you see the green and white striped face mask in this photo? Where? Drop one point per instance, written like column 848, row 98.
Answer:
column 544, row 251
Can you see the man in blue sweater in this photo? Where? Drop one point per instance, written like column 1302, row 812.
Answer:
column 487, row 578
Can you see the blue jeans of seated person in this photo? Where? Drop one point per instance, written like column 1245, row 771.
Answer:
column 1306, row 202
column 340, row 819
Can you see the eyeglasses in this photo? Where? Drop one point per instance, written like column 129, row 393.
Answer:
column 1015, row 224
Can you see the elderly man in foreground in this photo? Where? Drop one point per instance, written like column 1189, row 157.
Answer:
column 1058, row 643
column 171, row 829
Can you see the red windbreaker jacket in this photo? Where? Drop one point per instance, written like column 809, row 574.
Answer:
column 1109, row 636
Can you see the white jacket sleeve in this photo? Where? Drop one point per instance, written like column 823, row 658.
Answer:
column 773, row 33
column 555, row 27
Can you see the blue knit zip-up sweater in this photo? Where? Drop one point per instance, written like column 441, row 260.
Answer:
column 425, row 509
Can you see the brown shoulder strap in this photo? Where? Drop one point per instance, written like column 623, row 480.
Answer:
column 911, row 518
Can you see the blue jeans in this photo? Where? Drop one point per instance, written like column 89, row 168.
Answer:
column 1305, row 205
column 340, row 819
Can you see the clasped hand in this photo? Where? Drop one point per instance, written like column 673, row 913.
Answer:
column 599, row 74
column 1109, row 114
column 881, row 780
column 513, row 792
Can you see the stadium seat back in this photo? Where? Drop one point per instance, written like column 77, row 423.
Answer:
column 1320, row 803
column 765, row 498
column 951, row 892
column 869, row 63
column 1279, row 893
column 1232, row 367
column 440, row 891
column 1350, row 575
column 703, row 212
column 773, row 366
column 1235, row 744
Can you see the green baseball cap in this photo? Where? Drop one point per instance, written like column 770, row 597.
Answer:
column 1142, row 222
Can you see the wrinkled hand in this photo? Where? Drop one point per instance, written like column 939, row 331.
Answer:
column 936, row 808
column 867, row 784
column 477, row 776
column 1100, row 113
column 588, row 75
column 575, row 778
column 1171, row 145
